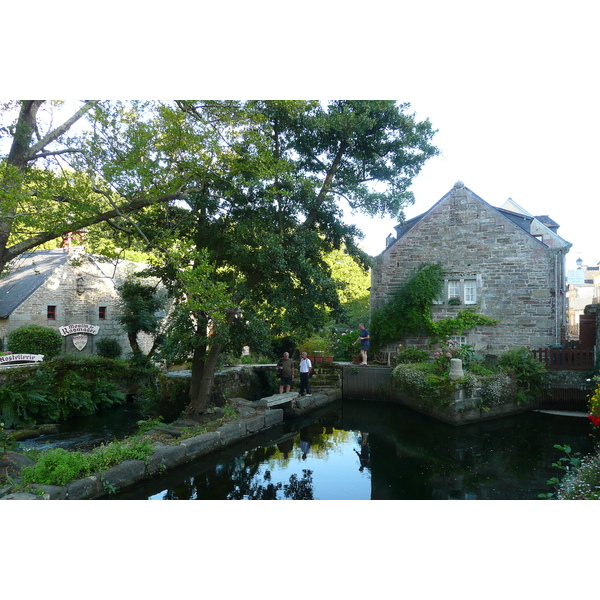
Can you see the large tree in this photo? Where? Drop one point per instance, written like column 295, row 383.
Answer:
column 243, row 200
column 55, row 179
column 268, row 211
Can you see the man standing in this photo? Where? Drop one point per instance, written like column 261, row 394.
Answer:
column 363, row 338
column 305, row 368
column 285, row 366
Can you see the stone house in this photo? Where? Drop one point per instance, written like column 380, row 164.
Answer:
column 583, row 288
column 503, row 262
column 70, row 291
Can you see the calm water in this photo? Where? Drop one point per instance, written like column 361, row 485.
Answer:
column 87, row 432
column 378, row 451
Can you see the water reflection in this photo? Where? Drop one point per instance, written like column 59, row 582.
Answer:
column 372, row 450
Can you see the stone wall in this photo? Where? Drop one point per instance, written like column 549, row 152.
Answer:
column 519, row 279
column 99, row 289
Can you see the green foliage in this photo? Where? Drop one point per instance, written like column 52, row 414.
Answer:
column 6, row 441
column 571, row 487
column 526, row 369
column 35, row 339
column 63, row 387
column 412, row 354
column 420, row 381
column 497, row 389
column 109, row 348
column 409, row 311
column 139, row 304
column 448, row 350
column 343, row 344
column 59, row 466
column 464, row 320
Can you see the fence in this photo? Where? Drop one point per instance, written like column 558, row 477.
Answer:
column 564, row 397
column 565, row 358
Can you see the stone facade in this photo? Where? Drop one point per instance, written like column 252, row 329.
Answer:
column 504, row 264
column 56, row 288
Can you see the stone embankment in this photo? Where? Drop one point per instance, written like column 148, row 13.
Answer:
column 251, row 418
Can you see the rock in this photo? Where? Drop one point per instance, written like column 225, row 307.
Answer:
column 11, row 464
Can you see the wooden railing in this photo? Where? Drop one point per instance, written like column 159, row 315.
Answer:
column 565, row 358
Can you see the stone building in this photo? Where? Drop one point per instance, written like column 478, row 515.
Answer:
column 503, row 262
column 583, row 288
column 67, row 290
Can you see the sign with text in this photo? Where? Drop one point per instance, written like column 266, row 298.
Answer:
column 21, row 358
column 79, row 328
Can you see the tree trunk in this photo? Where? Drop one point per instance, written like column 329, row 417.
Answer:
column 202, row 384
column 198, row 360
column 200, row 401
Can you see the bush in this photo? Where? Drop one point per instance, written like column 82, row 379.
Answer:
column 35, row 339
column 109, row 348
column 497, row 389
column 412, row 354
column 66, row 386
column 418, row 381
column 526, row 369
column 344, row 348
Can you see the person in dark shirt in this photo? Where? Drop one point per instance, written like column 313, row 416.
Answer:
column 285, row 367
column 363, row 338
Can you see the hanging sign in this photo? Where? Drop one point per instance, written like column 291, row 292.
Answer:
column 79, row 328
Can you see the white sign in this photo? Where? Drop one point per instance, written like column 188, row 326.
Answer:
column 21, row 358
column 575, row 277
column 80, row 341
column 80, row 328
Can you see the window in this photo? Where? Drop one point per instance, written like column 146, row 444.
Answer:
column 470, row 291
column 102, row 313
column 461, row 291
column 454, row 290
column 51, row 313
column 461, row 339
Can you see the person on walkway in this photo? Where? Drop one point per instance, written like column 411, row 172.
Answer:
column 305, row 369
column 285, row 366
column 363, row 338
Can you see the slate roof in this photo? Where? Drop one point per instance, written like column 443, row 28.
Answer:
column 521, row 220
column 26, row 274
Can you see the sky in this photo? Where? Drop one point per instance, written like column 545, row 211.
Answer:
column 511, row 88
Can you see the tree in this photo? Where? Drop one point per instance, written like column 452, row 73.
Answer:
column 268, row 211
column 139, row 305
column 53, row 181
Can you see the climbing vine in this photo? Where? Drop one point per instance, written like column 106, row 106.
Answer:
column 464, row 320
column 409, row 311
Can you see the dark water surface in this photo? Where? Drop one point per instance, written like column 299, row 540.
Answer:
column 87, row 432
column 378, row 451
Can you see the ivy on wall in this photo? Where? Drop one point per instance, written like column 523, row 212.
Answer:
column 409, row 311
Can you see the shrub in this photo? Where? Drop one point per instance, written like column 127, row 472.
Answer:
column 497, row 389
column 59, row 466
column 344, row 348
column 109, row 348
column 418, row 381
column 65, row 386
column 526, row 369
column 412, row 354
column 35, row 339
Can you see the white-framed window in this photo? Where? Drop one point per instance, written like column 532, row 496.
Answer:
column 461, row 339
column 461, row 291
column 453, row 290
column 470, row 291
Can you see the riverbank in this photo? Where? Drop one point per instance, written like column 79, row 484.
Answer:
column 173, row 445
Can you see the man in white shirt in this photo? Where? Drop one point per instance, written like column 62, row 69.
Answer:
column 305, row 368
